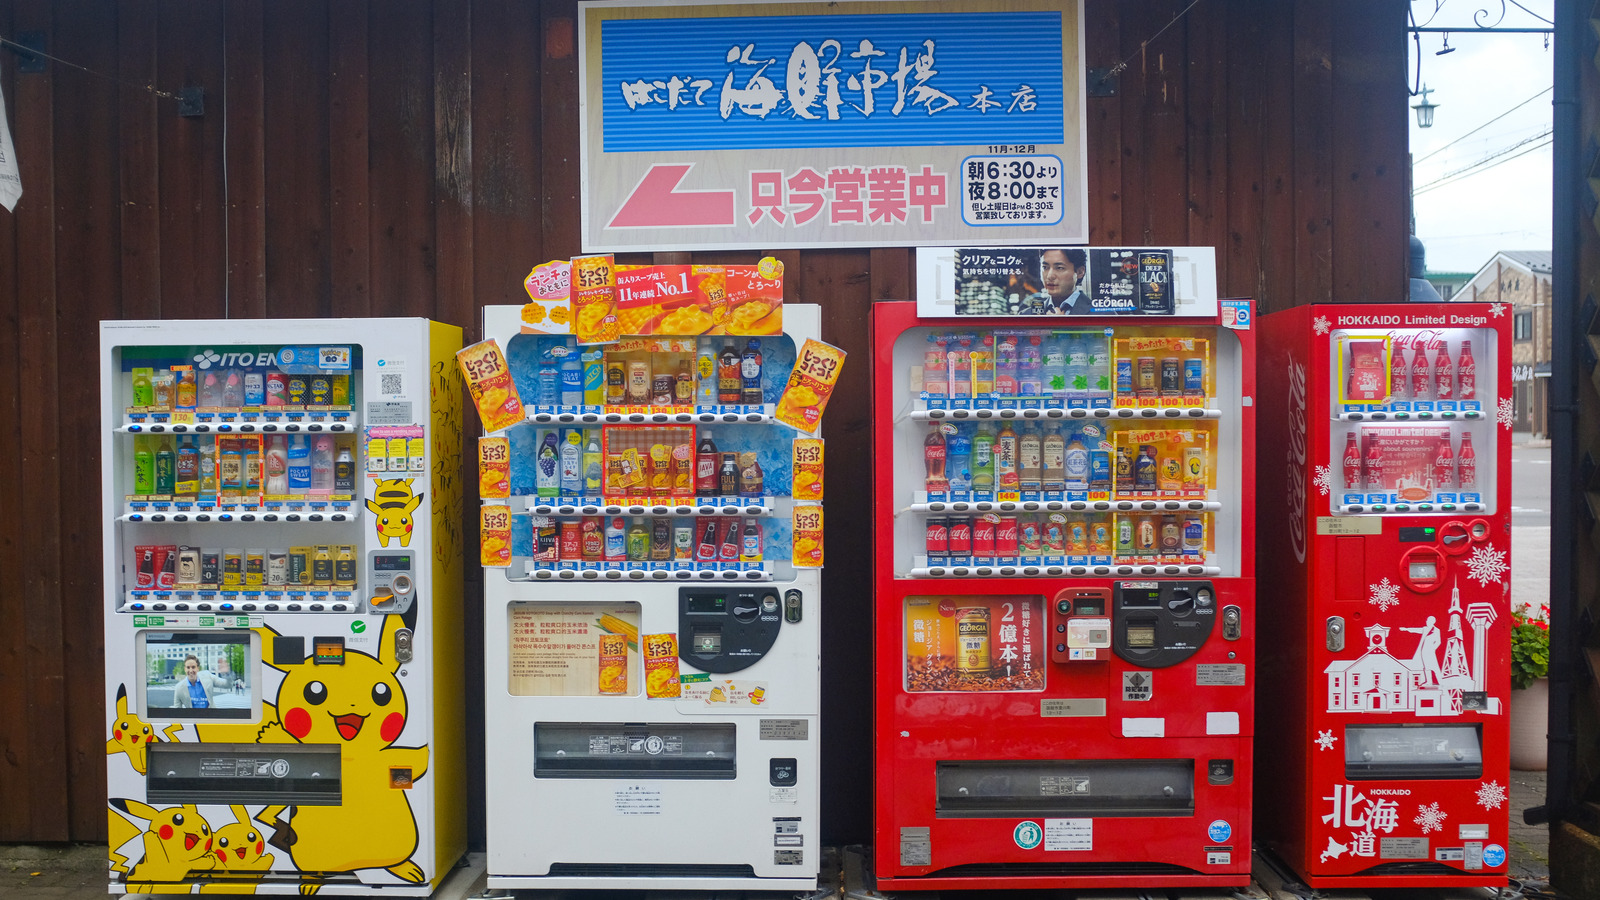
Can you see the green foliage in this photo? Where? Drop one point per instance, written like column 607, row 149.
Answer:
column 1530, row 650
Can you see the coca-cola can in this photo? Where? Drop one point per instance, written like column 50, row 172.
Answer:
column 982, row 535
column 1007, row 535
column 961, row 536
column 938, row 538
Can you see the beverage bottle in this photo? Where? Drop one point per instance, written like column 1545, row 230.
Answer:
column 683, row 469
column 751, row 480
column 186, row 389
column 143, row 393
column 1352, row 463
column 208, row 466
column 299, row 464
column 1055, row 365
column 728, row 476
column 638, row 541
column 546, row 475
column 1028, row 459
column 1029, row 366
column 616, row 382
column 211, row 388
column 983, row 367
column 661, row 540
column 572, row 463
column 1444, row 467
column 188, row 477
column 144, row 467
column 593, row 466
column 705, row 365
column 1076, row 463
column 730, row 387
column 958, row 459
column 252, row 469
column 344, row 471
column 933, row 458
column 935, row 382
column 549, row 390
column 1443, row 373
column 1053, row 461
column 750, row 373
column 684, row 387
column 277, row 466
column 705, row 548
column 983, row 458
column 1397, row 374
column 1077, row 366
column 162, row 385
column 1099, row 364
column 958, row 369
column 1467, row 373
column 571, row 378
column 705, row 465
column 1005, row 458
column 1372, row 466
column 255, row 389
column 1421, row 387
column 322, row 465
column 728, row 546
column 166, row 467
column 616, row 539
column 1005, row 365
column 233, row 390
column 750, row 545
column 1468, row 469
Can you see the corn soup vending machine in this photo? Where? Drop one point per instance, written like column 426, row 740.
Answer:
column 652, row 646
column 283, row 633
column 1064, row 611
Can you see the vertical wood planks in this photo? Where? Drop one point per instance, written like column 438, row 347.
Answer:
column 245, row 182
column 558, row 127
column 404, row 249
column 192, row 190
column 1370, row 195
column 349, row 228
column 295, row 161
column 1102, row 50
column 138, row 165
column 1313, row 157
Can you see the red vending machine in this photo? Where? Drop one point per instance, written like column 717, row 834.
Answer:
column 1386, row 517
column 1064, row 584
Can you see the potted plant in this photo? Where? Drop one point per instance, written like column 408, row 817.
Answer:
column 1530, row 697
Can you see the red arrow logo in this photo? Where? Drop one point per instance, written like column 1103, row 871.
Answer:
column 657, row 203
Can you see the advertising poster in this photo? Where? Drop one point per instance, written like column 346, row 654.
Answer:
column 975, row 643
column 1062, row 280
column 574, row 649
column 874, row 123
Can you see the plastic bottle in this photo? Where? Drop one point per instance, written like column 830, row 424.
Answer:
column 166, row 466
column 684, row 389
column 593, row 466
column 1077, row 366
column 616, row 539
column 958, row 459
column 1055, row 365
column 1053, row 461
column 208, row 466
column 299, row 464
column 277, row 466
column 1029, row 459
column 344, row 471
column 255, row 389
column 983, row 458
column 143, row 394
column 728, row 475
column 706, row 374
column 144, row 467
column 549, row 381
column 750, row 373
column 185, row 390
column 751, row 479
column 1005, row 458
column 706, row 458
column 935, row 381
column 958, row 370
column 1030, row 366
column 572, row 463
column 233, row 390
column 934, row 456
column 1099, row 364
column 750, row 545
column 322, row 464
column 546, row 476
column 729, row 385
column 188, row 477
column 1005, row 365
column 571, row 378
column 1077, row 463
column 211, row 388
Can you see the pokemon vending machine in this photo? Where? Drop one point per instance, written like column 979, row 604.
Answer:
column 652, row 629
column 283, row 594
column 1064, row 610
column 1385, row 476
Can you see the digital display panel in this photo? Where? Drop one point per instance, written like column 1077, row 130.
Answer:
column 199, row 674
column 385, row 563
column 706, row 604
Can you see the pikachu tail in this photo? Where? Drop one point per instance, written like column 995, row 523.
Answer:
column 119, row 832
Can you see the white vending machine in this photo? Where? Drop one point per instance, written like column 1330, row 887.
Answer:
column 283, row 563
column 651, row 646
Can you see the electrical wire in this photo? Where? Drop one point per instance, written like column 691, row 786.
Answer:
column 25, row 50
column 1120, row 67
column 1486, row 124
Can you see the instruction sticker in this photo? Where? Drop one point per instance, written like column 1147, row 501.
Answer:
column 1215, row 674
column 636, row 800
column 783, row 729
column 1068, row 834
column 1349, row 525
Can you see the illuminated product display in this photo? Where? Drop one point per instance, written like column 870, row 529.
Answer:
column 1064, row 610
column 1385, row 453
column 283, row 632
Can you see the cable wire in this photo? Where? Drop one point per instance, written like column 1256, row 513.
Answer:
column 29, row 51
column 1486, row 124
column 1468, row 173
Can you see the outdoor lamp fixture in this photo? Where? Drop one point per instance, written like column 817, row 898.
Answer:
column 1425, row 108
column 1447, row 47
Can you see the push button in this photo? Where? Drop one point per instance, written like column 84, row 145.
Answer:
column 783, row 772
column 1219, row 771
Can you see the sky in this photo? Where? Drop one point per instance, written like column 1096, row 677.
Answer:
column 1466, row 221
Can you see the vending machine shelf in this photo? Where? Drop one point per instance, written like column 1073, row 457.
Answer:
column 700, row 415
column 744, row 575
column 244, row 600
column 1441, row 508
column 316, row 426
column 1119, row 412
column 595, row 506
column 1468, row 415
column 1015, row 569
column 924, row 506
column 235, row 515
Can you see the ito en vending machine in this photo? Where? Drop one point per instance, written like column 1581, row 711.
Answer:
column 283, row 588
column 1387, row 512
column 1064, row 592
column 651, row 537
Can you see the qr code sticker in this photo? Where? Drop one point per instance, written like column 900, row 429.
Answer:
column 393, row 384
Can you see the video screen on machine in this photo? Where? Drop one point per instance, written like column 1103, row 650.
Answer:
column 198, row 674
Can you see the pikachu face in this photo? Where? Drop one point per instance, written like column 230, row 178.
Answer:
column 359, row 704
column 133, row 735
column 240, row 846
column 392, row 506
column 177, row 836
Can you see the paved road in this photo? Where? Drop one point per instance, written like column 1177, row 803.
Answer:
column 1530, row 523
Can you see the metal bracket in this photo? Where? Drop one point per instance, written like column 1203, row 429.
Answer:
column 30, row 63
column 1102, row 83
column 192, row 102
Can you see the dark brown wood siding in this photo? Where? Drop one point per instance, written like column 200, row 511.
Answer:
column 416, row 157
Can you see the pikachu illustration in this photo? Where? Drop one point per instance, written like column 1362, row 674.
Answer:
column 133, row 735
column 177, row 844
column 392, row 504
column 240, row 848
column 360, row 707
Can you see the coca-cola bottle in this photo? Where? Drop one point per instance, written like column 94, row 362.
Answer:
column 933, row 453
column 1373, row 465
column 1421, row 387
column 1352, row 463
column 1443, row 373
column 1397, row 374
column 1467, row 373
column 1467, row 469
column 1444, row 467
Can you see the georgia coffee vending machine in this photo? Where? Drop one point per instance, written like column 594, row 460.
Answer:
column 1385, row 476
column 285, row 679
column 1064, row 604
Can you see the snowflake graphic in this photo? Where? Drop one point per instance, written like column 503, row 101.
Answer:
column 1498, row 309
column 207, row 358
column 1487, row 564
column 1491, row 794
column 1320, row 325
column 1324, row 480
column 1325, row 740
column 1384, row 594
column 1430, row 817
column 1505, row 412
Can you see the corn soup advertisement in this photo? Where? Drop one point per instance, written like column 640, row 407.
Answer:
column 574, row 649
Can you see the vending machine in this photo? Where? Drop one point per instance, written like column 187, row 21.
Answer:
column 283, row 587
column 652, row 609
column 1386, row 535
column 1064, row 606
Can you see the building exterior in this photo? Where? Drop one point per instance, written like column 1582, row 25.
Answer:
column 1522, row 279
column 1447, row 283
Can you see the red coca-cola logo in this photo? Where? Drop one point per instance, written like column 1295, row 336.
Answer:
column 1297, row 459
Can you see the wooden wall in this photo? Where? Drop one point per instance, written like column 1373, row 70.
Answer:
column 415, row 157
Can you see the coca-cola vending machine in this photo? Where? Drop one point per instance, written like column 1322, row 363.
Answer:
column 1064, row 605
column 1385, row 664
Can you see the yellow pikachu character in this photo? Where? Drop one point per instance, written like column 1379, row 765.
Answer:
column 242, row 859
column 133, row 735
column 359, row 707
column 176, row 845
column 393, row 503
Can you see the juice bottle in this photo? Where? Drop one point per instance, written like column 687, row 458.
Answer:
column 166, row 466
column 143, row 394
column 185, row 391
column 230, row 469
column 144, row 467
column 163, row 386
column 322, row 464
column 706, row 372
column 188, row 477
column 592, row 466
column 750, row 373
